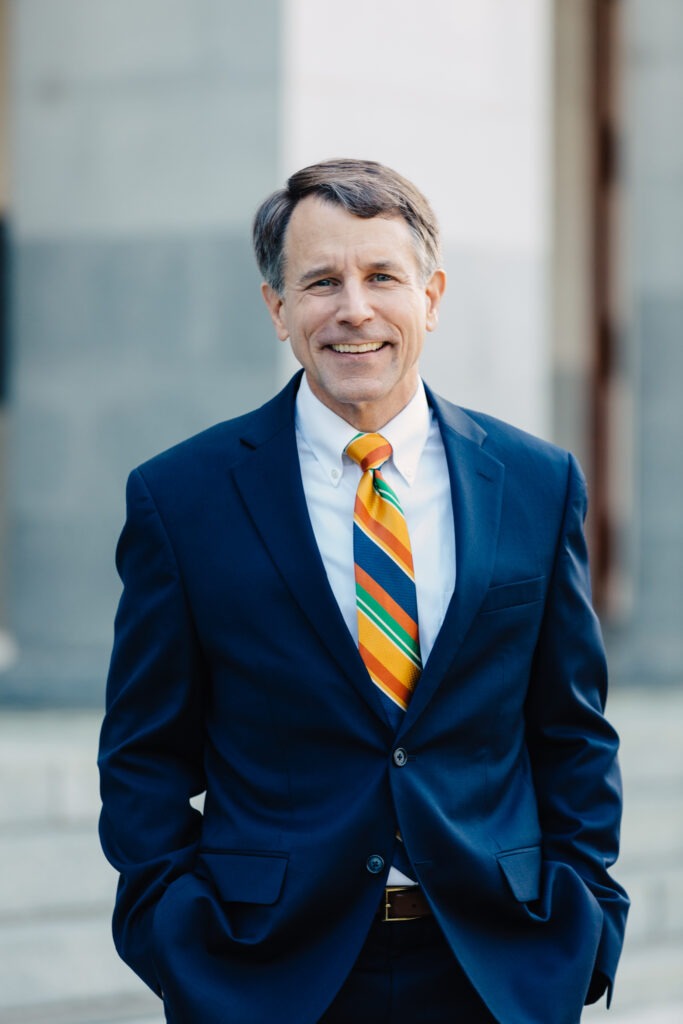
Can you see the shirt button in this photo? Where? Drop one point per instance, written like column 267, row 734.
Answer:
column 335, row 474
column 375, row 864
column 400, row 757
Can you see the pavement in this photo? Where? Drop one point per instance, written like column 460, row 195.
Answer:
column 57, row 961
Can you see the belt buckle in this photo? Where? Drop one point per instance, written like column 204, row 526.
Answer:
column 387, row 903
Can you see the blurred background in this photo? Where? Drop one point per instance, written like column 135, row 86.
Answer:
column 136, row 139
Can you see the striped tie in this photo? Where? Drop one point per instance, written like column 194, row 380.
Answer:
column 386, row 600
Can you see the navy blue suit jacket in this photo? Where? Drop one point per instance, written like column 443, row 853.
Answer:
column 233, row 672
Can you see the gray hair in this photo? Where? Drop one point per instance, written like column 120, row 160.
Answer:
column 363, row 188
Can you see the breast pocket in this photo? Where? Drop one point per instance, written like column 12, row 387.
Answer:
column 512, row 595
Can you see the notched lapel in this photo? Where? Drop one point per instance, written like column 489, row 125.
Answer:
column 269, row 482
column 476, row 492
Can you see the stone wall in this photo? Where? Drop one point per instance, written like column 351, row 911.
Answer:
column 145, row 132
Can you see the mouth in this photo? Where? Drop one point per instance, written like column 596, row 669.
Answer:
column 359, row 349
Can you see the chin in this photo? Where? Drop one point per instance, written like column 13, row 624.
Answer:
column 364, row 389
column 360, row 396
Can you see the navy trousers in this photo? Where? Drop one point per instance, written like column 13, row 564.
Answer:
column 407, row 974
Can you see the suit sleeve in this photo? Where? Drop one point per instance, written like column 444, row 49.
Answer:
column 150, row 758
column 573, row 748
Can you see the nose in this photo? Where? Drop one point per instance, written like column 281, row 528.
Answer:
column 354, row 305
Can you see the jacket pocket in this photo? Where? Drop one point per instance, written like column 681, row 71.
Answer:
column 245, row 877
column 522, row 869
column 509, row 595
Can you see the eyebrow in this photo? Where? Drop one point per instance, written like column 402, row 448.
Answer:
column 314, row 273
column 327, row 270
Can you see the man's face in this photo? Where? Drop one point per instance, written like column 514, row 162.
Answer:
column 355, row 309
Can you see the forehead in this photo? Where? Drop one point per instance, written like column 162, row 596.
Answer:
column 323, row 232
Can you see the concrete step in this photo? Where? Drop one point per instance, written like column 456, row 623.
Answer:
column 104, row 1010
column 55, row 869
column 57, row 961
column 47, row 767
column 47, row 962
column 649, row 986
column 670, row 1013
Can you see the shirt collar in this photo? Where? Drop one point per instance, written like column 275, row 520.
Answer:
column 327, row 434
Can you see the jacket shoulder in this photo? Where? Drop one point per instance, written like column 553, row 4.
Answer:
column 506, row 437
column 527, row 459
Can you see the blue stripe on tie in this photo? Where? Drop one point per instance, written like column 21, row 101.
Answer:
column 378, row 565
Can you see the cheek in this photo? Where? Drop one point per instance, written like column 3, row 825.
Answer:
column 417, row 330
column 304, row 323
column 411, row 319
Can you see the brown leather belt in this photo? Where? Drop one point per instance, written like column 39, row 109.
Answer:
column 403, row 903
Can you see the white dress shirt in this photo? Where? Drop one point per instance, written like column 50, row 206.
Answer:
column 417, row 472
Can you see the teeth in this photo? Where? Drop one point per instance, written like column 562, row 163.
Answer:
column 369, row 346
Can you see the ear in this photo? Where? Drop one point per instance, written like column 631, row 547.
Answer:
column 434, row 289
column 276, row 308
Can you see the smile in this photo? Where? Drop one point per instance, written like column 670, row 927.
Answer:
column 369, row 346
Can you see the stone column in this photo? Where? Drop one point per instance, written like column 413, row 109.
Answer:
column 649, row 641
column 144, row 134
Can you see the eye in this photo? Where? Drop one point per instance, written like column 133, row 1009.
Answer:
column 324, row 282
column 382, row 277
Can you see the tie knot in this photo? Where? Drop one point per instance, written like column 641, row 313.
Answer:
column 370, row 451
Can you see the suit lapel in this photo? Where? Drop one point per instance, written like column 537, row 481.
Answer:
column 268, row 479
column 476, row 480
column 269, row 482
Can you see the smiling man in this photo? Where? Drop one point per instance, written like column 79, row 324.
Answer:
column 355, row 304
column 359, row 619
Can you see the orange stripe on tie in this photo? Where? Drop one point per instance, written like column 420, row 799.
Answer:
column 384, row 535
column 380, row 454
column 395, row 610
column 397, row 690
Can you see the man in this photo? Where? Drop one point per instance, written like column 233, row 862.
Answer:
column 359, row 618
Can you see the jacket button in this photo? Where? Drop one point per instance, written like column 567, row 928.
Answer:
column 375, row 864
column 400, row 757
